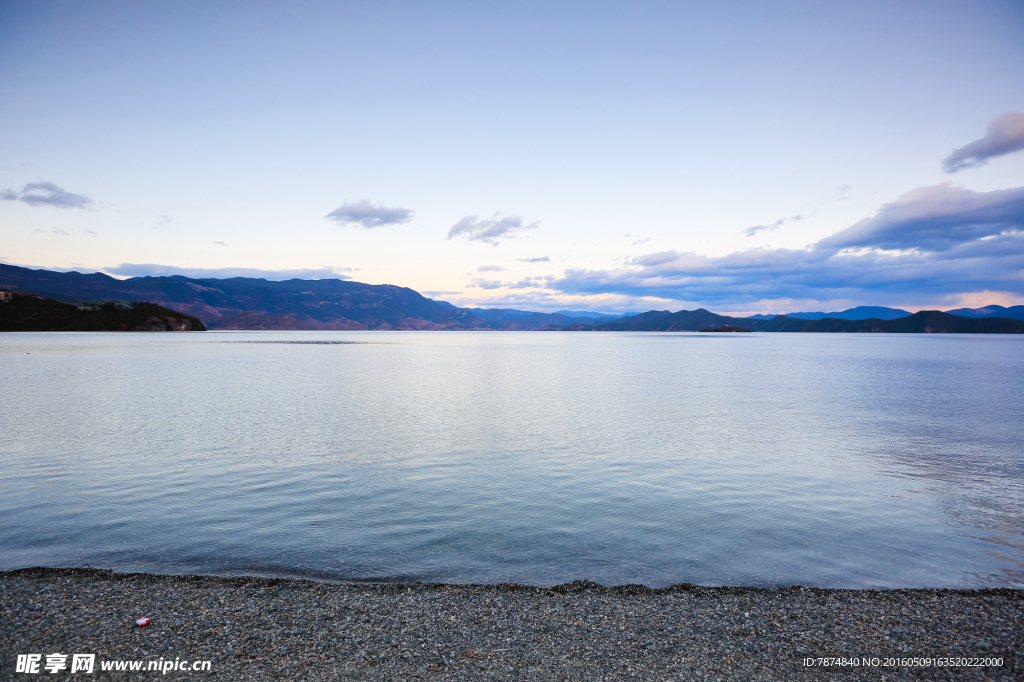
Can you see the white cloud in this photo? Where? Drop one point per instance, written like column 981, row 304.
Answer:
column 751, row 231
column 531, row 283
column 486, row 283
column 490, row 231
column 369, row 215
column 46, row 194
column 1004, row 135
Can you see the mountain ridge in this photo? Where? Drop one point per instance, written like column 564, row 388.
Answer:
column 862, row 312
column 1015, row 312
column 332, row 304
column 28, row 313
column 252, row 303
column 922, row 322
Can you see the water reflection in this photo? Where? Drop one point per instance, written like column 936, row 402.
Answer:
column 831, row 460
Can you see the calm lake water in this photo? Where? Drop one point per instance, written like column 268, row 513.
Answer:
column 743, row 459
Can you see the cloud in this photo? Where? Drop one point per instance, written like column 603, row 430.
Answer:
column 369, row 215
column 656, row 258
column 489, row 231
column 935, row 218
column 152, row 270
column 486, row 283
column 45, row 194
column 641, row 241
column 76, row 267
column 531, row 283
column 490, row 268
column 540, row 259
column 1004, row 135
column 932, row 241
column 220, row 243
column 751, row 231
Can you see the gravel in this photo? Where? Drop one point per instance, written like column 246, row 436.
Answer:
column 282, row 629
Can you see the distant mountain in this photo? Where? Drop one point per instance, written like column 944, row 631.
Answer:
column 248, row 303
column 924, row 322
column 864, row 312
column 1013, row 312
column 585, row 314
column 665, row 321
column 525, row 319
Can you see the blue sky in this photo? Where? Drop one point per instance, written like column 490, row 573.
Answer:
column 741, row 156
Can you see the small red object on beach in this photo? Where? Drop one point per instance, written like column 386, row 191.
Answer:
column 142, row 622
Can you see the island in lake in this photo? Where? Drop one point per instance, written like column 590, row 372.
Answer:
column 724, row 328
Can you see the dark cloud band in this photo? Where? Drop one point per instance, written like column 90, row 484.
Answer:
column 935, row 218
column 931, row 241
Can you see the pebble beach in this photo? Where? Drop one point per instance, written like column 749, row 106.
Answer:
column 251, row 628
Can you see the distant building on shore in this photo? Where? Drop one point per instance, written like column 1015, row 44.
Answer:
column 5, row 295
column 98, row 305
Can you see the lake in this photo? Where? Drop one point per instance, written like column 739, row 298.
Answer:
column 827, row 460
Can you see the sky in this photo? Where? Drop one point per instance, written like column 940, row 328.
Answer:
column 745, row 157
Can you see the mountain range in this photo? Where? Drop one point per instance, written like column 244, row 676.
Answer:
column 1013, row 312
column 332, row 304
column 872, row 312
column 864, row 312
column 250, row 303
column 923, row 322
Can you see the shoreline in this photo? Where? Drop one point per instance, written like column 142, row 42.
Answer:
column 257, row 628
